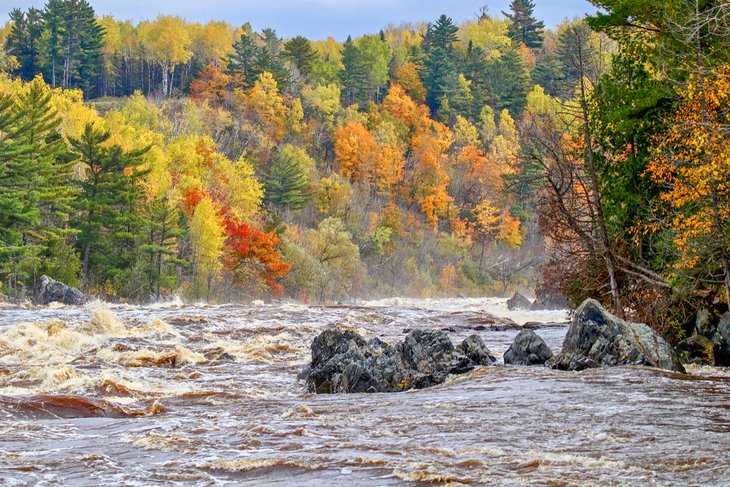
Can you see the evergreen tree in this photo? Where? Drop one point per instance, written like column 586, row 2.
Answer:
column 524, row 28
column 54, row 15
column 509, row 83
column 18, row 209
column 106, row 216
column 549, row 73
column 439, row 63
column 24, row 41
column 300, row 52
column 242, row 61
column 353, row 75
column 286, row 185
column 270, row 58
column 52, row 169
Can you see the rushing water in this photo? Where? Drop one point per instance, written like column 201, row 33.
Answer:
column 203, row 395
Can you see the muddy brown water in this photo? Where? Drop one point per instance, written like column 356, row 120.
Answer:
column 204, row 395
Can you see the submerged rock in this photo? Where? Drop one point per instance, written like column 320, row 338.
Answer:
column 518, row 301
column 527, row 349
column 596, row 338
column 343, row 361
column 49, row 291
column 721, row 341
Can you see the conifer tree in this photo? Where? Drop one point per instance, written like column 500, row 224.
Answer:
column 353, row 76
column 524, row 28
column 242, row 61
column 439, row 64
column 286, row 186
column 24, row 41
column 509, row 83
column 300, row 52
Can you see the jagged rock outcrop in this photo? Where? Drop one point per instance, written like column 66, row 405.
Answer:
column 518, row 301
column 547, row 298
column 343, row 361
column 527, row 349
column 721, row 341
column 596, row 338
column 48, row 291
column 696, row 349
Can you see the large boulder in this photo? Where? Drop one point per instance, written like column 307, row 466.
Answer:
column 596, row 338
column 550, row 298
column 48, row 291
column 518, row 301
column 343, row 361
column 721, row 341
column 527, row 349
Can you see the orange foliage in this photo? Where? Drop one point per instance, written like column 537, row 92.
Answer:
column 250, row 249
column 211, row 85
column 407, row 77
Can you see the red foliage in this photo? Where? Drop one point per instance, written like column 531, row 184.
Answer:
column 211, row 85
column 252, row 247
column 190, row 199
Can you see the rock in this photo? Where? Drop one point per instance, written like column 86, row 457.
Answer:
column 596, row 338
column 476, row 351
column 696, row 349
column 704, row 324
column 721, row 341
column 48, row 291
column 527, row 349
column 4, row 298
column 518, row 301
column 343, row 361
column 547, row 298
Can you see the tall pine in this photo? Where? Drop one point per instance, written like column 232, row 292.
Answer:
column 439, row 63
column 353, row 75
column 524, row 27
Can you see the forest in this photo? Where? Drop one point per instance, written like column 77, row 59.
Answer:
column 212, row 161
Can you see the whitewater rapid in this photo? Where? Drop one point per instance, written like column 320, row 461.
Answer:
column 177, row 394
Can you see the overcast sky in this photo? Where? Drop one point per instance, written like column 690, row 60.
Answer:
column 317, row 19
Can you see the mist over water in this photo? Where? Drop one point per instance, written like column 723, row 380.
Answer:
column 208, row 395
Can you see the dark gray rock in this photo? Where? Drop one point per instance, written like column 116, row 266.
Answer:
column 705, row 325
column 49, row 291
column 596, row 338
column 518, row 301
column 476, row 351
column 696, row 349
column 343, row 361
column 547, row 298
column 527, row 349
column 721, row 342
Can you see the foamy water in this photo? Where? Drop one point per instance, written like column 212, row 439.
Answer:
column 207, row 395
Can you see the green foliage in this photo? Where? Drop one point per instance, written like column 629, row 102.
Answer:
column 508, row 82
column 524, row 28
column 286, row 185
column 300, row 52
column 439, row 64
column 353, row 75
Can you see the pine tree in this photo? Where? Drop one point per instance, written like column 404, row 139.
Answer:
column 242, row 61
column 300, row 52
column 18, row 209
column 24, row 41
column 106, row 202
column 286, row 186
column 53, row 40
column 439, row 64
column 270, row 58
column 508, row 82
column 524, row 28
column 353, row 76
column 160, row 232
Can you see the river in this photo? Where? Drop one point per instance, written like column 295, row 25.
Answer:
column 178, row 394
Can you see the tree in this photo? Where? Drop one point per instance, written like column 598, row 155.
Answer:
column 106, row 215
column 376, row 55
column 524, row 28
column 508, row 82
column 207, row 239
column 286, row 185
column 439, row 64
column 242, row 61
column 24, row 41
column 168, row 42
column 300, row 52
column 353, row 75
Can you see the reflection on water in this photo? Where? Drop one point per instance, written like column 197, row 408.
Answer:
column 204, row 395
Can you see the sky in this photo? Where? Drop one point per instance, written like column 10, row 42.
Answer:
column 317, row 19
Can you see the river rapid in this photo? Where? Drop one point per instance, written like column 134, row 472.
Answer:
column 208, row 395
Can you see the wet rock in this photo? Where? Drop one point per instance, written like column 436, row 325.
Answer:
column 547, row 298
column 721, row 341
column 48, row 291
column 696, row 349
column 596, row 338
column 476, row 351
column 527, row 349
column 518, row 301
column 343, row 361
